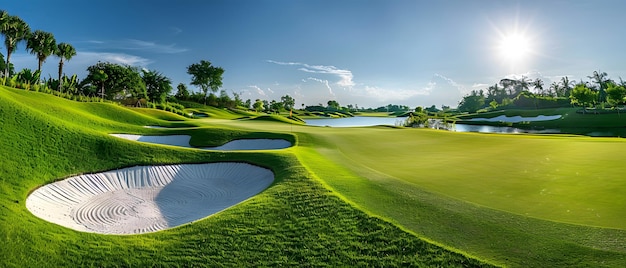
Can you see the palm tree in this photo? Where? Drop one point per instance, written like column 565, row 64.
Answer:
column 14, row 30
column 63, row 51
column 538, row 85
column 601, row 78
column 523, row 84
column 567, row 86
column 41, row 44
column 555, row 90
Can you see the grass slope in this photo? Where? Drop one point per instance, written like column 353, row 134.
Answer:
column 297, row 221
column 433, row 184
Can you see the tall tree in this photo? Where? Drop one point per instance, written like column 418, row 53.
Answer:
column 120, row 81
column 63, row 51
column 472, row 102
column 615, row 94
column 333, row 104
column 522, row 84
column 583, row 95
column 601, row 79
column 567, row 86
column 206, row 76
column 538, row 85
column 258, row 105
column 4, row 22
column 41, row 44
column 14, row 30
column 555, row 89
column 3, row 66
column 182, row 93
column 157, row 85
column 288, row 102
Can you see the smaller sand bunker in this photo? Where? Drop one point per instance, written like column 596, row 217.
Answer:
column 146, row 199
column 235, row 145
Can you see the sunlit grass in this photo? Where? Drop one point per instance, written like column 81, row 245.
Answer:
column 437, row 185
column 295, row 222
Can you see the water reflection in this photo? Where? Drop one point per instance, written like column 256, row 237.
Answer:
column 494, row 129
column 362, row 121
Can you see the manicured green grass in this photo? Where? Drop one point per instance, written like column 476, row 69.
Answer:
column 223, row 113
column 454, row 188
column 575, row 180
column 160, row 114
column 295, row 222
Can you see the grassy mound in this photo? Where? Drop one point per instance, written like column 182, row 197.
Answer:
column 278, row 118
column 160, row 114
column 297, row 221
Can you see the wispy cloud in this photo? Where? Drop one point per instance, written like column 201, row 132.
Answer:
column 175, row 30
column 479, row 85
column 258, row 90
column 121, row 58
column 345, row 76
column 451, row 82
column 324, row 82
column 135, row 44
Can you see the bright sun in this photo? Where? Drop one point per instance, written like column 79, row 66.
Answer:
column 514, row 47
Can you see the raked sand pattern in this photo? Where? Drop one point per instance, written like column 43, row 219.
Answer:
column 145, row 199
column 235, row 145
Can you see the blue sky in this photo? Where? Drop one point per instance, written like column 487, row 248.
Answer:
column 365, row 53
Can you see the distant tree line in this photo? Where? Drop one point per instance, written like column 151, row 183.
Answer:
column 526, row 93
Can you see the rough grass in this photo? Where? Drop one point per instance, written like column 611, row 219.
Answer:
column 295, row 222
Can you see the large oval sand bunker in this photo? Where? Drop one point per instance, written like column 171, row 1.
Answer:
column 146, row 199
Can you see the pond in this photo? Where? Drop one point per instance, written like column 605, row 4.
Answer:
column 363, row 121
column 494, row 129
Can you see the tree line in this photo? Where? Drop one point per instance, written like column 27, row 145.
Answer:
column 105, row 80
column 528, row 93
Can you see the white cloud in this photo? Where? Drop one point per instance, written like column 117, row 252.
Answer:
column 90, row 58
column 270, row 90
column 258, row 90
column 461, row 88
column 345, row 76
column 324, row 82
column 479, row 85
column 135, row 44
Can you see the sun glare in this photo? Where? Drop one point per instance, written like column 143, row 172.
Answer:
column 514, row 47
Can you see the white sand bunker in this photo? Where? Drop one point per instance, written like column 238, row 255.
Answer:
column 146, row 199
column 183, row 141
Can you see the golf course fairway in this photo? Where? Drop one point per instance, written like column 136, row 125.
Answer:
column 374, row 196
column 295, row 221
column 482, row 193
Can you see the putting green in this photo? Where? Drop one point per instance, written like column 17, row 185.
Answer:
column 569, row 179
